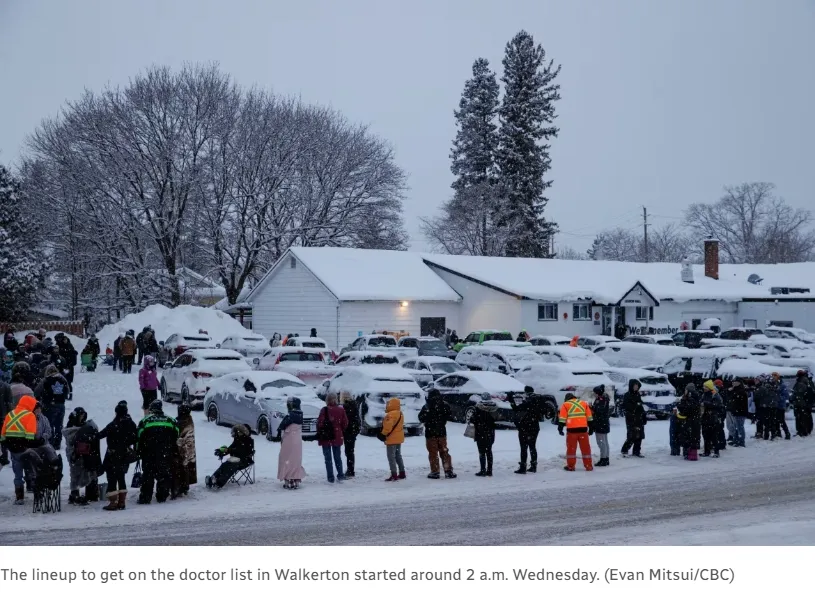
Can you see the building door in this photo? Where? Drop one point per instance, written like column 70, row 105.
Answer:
column 432, row 327
column 608, row 322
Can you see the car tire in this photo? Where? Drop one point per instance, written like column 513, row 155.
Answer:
column 468, row 414
column 213, row 415
column 163, row 388
column 263, row 427
column 550, row 409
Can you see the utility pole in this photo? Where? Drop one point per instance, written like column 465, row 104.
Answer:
column 645, row 233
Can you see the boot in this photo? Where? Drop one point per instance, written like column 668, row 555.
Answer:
column 434, row 475
column 521, row 470
column 113, row 502
column 481, row 473
column 402, row 475
column 19, row 495
column 393, row 477
column 533, row 467
column 450, row 475
column 567, row 468
column 349, row 474
column 75, row 499
column 122, row 500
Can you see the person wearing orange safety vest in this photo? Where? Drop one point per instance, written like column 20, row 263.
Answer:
column 576, row 416
column 18, row 434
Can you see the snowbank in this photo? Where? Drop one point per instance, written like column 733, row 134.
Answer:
column 182, row 319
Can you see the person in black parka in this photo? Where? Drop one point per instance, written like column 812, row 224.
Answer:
column 688, row 414
column 531, row 411
column 601, row 410
column 434, row 416
column 351, row 431
column 634, row 419
column 121, row 451
column 483, row 421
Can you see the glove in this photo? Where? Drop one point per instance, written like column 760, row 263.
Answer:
column 591, row 431
column 3, row 460
column 560, row 429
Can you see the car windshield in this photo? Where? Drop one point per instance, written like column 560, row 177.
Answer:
column 382, row 342
column 775, row 334
column 313, row 344
column 651, row 380
column 497, row 336
column 434, row 345
column 378, row 359
column 222, row 358
column 282, row 383
column 300, row 357
column 199, row 339
column 446, row 368
column 393, row 379
column 258, row 339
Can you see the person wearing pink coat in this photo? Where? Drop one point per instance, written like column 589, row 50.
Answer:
column 148, row 382
column 290, row 461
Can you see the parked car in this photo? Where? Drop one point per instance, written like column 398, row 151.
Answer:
column 430, row 346
column 251, row 347
column 506, row 344
column 258, row 399
column 783, row 348
column 658, row 394
column 505, row 360
column 463, row 390
column 741, row 369
column 696, row 365
column 692, row 339
column 554, row 381
column 372, row 387
column 550, row 340
column 187, row 378
column 789, row 332
column 307, row 364
column 478, row 337
column 364, row 358
column 636, row 355
column 563, row 354
column 380, row 343
column 592, row 341
column 739, row 333
column 426, row 369
column 178, row 343
column 650, row 339
column 329, row 355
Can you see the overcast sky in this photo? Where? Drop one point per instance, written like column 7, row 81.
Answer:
column 663, row 102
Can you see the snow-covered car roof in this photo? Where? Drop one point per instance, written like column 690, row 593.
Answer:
column 498, row 343
column 430, row 359
column 258, row 378
column 601, row 338
column 566, row 351
column 194, row 336
column 565, row 368
column 298, row 349
column 745, row 352
column 307, row 340
column 216, row 354
column 638, row 373
column 385, row 372
column 358, row 355
column 626, row 353
column 654, row 338
column 490, row 381
column 744, row 368
column 506, row 351
column 556, row 338
column 780, row 342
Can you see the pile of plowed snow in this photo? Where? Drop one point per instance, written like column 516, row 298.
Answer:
column 181, row 319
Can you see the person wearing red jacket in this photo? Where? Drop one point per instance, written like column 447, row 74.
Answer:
column 331, row 425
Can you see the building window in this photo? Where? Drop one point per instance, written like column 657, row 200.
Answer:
column 293, row 263
column 750, row 323
column 547, row 311
column 581, row 312
column 645, row 313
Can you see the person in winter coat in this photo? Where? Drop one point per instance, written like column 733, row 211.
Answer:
column 483, row 420
column 21, row 432
column 688, row 413
column 275, row 341
column 20, row 377
column 434, row 415
column 331, row 425
column 6, row 364
column 781, row 401
column 239, row 455
column 351, row 431
column 128, row 348
column 712, row 413
column 151, row 346
column 737, row 404
column 635, row 419
column 117, row 352
column 84, row 458
column 765, row 399
column 393, row 429
column 803, row 398
column 531, row 413
column 576, row 416
column 121, row 451
column 140, row 344
column 184, row 466
column 523, row 336
column 148, row 382
column 52, row 392
column 10, row 342
column 67, row 351
column 290, row 432
column 601, row 408
column 157, row 442
column 720, row 391
column 93, row 344
column 38, row 362
column 313, row 333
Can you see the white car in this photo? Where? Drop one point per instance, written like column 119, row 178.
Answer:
column 258, row 400
column 305, row 363
column 563, row 354
column 364, row 358
column 252, row 347
column 313, row 343
column 636, row 355
column 554, row 381
column 658, row 394
column 782, row 347
column 428, row 368
column 372, row 387
column 463, row 390
column 550, row 340
column 650, row 339
column 178, row 343
column 592, row 341
column 789, row 332
column 505, row 360
column 380, row 343
column 189, row 375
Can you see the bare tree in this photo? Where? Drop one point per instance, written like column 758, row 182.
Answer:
column 755, row 225
column 669, row 244
column 569, row 253
column 617, row 244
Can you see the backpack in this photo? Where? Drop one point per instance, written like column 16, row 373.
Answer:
column 325, row 431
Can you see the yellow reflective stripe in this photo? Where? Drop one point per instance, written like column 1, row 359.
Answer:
column 576, row 410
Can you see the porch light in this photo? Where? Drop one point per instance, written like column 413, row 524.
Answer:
column 404, row 304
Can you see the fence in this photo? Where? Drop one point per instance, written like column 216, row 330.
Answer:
column 72, row 327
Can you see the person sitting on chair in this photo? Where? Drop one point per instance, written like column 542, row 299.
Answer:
column 239, row 455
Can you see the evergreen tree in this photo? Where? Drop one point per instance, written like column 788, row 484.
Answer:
column 527, row 114
column 20, row 258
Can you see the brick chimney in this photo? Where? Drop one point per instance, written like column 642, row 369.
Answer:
column 712, row 258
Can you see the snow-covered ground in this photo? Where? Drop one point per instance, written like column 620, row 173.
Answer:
column 627, row 502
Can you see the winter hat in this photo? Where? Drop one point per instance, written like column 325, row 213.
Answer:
column 149, row 361
column 600, row 390
column 121, row 408
column 570, row 396
column 293, row 403
column 184, row 410
column 709, row 386
column 433, row 393
column 529, row 390
column 718, row 383
column 776, row 376
column 156, row 407
column 801, row 373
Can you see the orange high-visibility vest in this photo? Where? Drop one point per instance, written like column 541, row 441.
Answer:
column 575, row 414
column 20, row 423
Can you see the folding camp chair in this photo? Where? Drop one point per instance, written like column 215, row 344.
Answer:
column 47, row 492
column 246, row 475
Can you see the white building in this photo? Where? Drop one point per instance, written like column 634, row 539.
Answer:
column 345, row 292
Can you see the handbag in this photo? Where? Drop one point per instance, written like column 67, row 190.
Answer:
column 469, row 431
column 136, row 481
column 382, row 437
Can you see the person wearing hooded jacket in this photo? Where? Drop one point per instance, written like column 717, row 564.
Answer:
column 290, row 460
column 351, row 432
column 434, row 416
column 712, row 413
column 121, row 451
column 239, row 456
column 782, row 398
column 803, row 398
column 393, row 428
column 52, row 392
column 184, row 471
column 765, row 398
column 601, row 408
column 148, row 382
column 688, row 412
column 20, row 378
column 483, row 420
column 635, row 419
column 84, row 458
column 128, row 347
column 576, row 416
column 24, row 429
column 332, row 416
column 737, row 403
column 531, row 413
column 157, row 436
